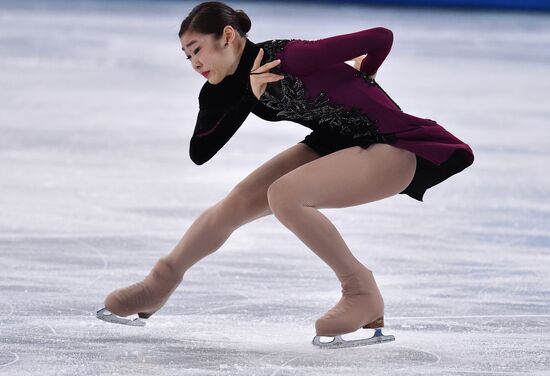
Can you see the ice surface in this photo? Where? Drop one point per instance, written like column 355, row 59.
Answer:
column 97, row 107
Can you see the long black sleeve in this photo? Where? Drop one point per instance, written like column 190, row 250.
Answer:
column 220, row 116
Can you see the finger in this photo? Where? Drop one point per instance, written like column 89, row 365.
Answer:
column 268, row 77
column 269, row 80
column 258, row 59
column 267, row 66
column 265, row 74
column 271, row 63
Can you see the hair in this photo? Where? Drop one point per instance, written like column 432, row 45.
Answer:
column 211, row 17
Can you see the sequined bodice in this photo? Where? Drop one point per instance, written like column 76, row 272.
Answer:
column 287, row 97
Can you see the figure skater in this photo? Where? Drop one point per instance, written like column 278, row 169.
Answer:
column 362, row 148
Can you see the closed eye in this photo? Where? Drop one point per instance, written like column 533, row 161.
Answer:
column 195, row 52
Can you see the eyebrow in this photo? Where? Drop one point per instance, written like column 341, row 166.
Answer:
column 190, row 43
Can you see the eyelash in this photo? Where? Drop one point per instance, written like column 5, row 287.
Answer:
column 197, row 50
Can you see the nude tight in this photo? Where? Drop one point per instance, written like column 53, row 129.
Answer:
column 292, row 186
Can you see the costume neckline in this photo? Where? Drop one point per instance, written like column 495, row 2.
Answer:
column 244, row 67
column 248, row 56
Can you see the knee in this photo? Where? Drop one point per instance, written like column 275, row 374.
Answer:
column 241, row 205
column 234, row 206
column 280, row 198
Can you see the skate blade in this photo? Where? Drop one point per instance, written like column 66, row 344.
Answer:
column 339, row 342
column 105, row 315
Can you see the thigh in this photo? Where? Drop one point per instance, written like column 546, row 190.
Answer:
column 249, row 196
column 347, row 177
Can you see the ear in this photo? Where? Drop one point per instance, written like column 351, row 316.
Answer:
column 229, row 34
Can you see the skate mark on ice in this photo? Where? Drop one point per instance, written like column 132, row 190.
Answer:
column 86, row 313
column 103, row 258
column 416, row 350
column 10, row 306
column 466, row 316
column 264, row 364
column 79, row 288
column 287, row 362
column 274, row 353
column 462, row 324
column 3, row 362
column 496, row 284
column 305, row 320
column 489, row 285
column 270, row 354
column 52, row 329
column 483, row 372
column 247, row 299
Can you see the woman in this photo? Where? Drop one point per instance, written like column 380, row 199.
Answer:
column 362, row 148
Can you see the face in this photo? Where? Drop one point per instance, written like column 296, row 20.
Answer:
column 207, row 54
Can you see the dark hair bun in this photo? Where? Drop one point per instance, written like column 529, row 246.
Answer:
column 244, row 20
column 212, row 17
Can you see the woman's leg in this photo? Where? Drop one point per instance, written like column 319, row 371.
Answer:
column 348, row 177
column 246, row 202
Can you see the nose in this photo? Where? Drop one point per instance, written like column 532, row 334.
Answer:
column 195, row 64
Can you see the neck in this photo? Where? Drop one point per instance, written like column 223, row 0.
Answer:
column 240, row 50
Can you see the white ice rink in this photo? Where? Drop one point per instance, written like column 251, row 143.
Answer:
column 97, row 106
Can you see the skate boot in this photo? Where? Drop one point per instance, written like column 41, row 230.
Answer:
column 361, row 306
column 144, row 297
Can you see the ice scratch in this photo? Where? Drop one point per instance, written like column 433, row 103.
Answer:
column 11, row 362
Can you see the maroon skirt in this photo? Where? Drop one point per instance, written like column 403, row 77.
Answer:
column 427, row 174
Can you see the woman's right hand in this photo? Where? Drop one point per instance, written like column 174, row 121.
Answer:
column 260, row 75
column 357, row 65
column 357, row 62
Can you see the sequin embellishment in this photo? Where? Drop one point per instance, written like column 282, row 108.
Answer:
column 287, row 97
